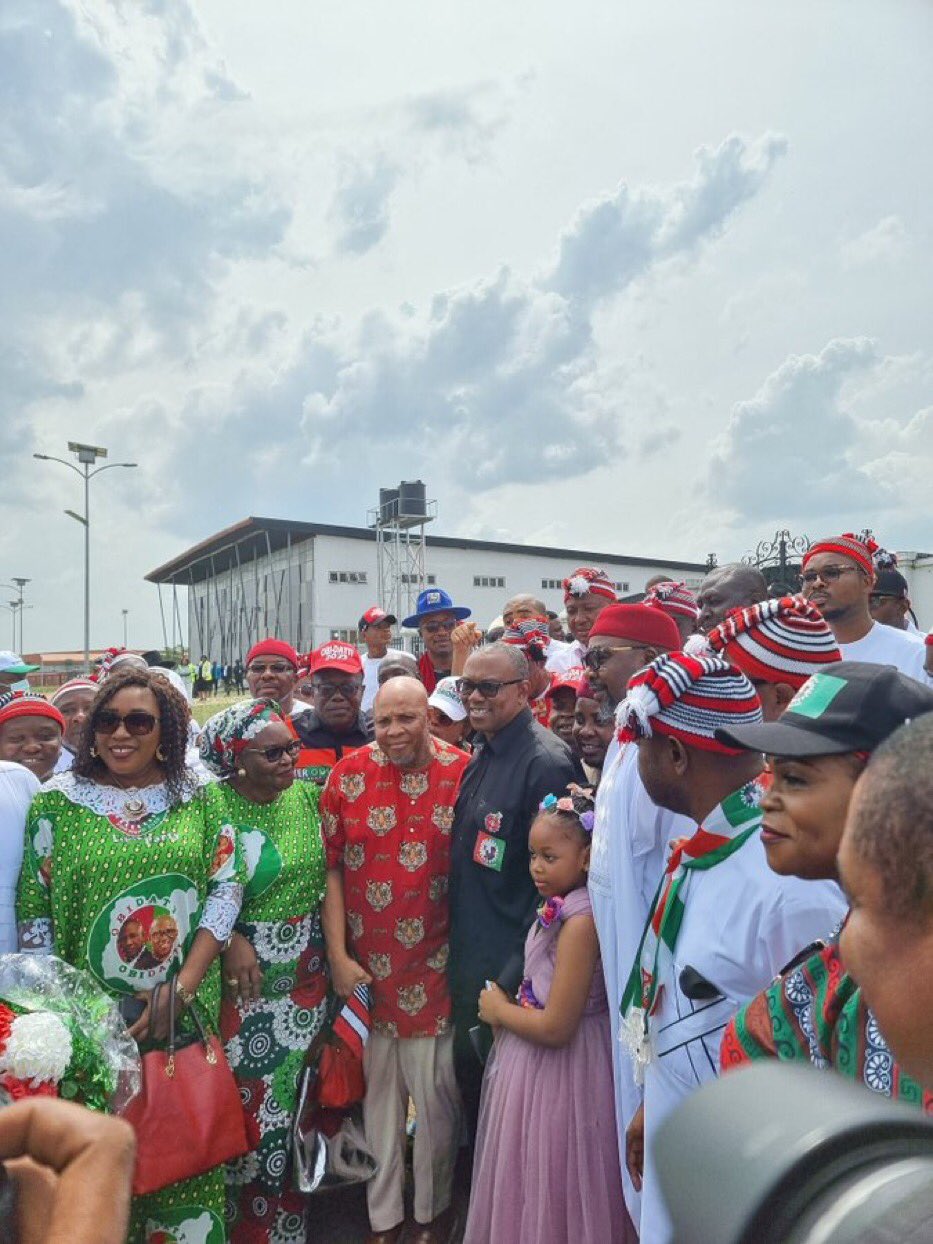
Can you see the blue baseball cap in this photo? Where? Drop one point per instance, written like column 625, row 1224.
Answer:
column 435, row 600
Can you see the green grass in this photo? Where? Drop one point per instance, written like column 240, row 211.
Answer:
column 202, row 709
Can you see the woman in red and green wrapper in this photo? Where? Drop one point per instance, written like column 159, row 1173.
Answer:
column 131, row 873
column 814, row 1012
column 275, row 984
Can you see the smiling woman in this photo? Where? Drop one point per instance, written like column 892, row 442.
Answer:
column 274, row 981
column 132, row 872
column 30, row 732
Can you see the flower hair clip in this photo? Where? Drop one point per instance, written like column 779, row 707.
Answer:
column 578, row 805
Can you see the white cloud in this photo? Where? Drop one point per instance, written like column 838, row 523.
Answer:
column 615, row 238
column 884, row 242
column 813, row 442
column 795, row 436
column 360, row 209
column 501, row 376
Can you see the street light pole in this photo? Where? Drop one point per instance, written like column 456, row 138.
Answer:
column 87, row 455
column 21, row 583
column 125, row 613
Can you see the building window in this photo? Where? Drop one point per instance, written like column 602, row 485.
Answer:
column 348, row 635
column 413, row 580
column 552, row 585
column 487, row 580
column 621, row 587
column 346, row 576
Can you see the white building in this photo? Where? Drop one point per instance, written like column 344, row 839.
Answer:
column 308, row 582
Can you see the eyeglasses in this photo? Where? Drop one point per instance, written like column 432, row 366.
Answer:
column 874, row 599
column 596, row 658
column 275, row 754
column 432, row 628
column 828, row 574
column 137, row 723
column 488, row 688
column 327, row 690
column 280, row 667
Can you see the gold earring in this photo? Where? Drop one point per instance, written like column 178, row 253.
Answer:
column 94, row 752
column 241, row 773
column 160, row 753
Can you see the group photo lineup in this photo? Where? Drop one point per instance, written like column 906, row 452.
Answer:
column 466, row 712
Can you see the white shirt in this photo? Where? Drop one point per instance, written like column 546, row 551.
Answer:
column 562, row 657
column 886, row 645
column 65, row 760
column 742, row 924
column 630, row 843
column 17, row 788
column 371, row 674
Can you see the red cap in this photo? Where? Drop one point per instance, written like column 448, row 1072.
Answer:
column 639, row 624
column 28, row 704
column 335, row 655
column 573, row 679
column 375, row 615
column 273, row 648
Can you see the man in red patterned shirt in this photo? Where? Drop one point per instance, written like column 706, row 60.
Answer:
column 387, row 812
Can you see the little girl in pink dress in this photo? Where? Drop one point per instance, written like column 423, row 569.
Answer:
column 547, row 1161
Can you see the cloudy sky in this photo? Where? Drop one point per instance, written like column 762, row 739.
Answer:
column 644, row 277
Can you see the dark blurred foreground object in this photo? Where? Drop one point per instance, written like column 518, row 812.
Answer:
column 776, row 1154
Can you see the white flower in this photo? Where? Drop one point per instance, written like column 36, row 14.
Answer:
column 578, row 585
column 38, row 1048
column 635, row 1041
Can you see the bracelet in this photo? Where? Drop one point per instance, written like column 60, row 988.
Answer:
column 186, row 995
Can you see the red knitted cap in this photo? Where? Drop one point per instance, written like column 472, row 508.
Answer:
column 273, row 648
column 673, row 598
column 28, row 704
column 858, row 549
column 639, row 624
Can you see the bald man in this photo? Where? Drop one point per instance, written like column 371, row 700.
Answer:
column 388, row 811
column 734, row 586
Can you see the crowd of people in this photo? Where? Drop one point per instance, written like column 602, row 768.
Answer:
column 572, row 876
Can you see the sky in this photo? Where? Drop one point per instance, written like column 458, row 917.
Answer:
column 644, row 277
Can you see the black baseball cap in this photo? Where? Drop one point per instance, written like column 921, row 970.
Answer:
column 890, row 582
column 852, row 706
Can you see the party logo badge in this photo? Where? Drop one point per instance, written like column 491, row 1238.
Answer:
column 489, row 851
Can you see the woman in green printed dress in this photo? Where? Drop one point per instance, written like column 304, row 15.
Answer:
column 131, row 873
column 274, row 978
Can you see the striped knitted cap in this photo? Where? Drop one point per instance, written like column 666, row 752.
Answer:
column 673, row 598
column 74, row 684
column 688, row 698
column 588, row 579
column 783, row 640
column 862, row 550
column 529, row 634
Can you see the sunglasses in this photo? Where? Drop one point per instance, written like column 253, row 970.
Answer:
column 596, row 658
column 280, row 668
column 137, row 723
column 275, row 754
column 347, row 690
column 829, row 574
column 433, row 627
column 489, row 688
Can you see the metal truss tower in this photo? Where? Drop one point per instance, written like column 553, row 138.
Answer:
column 400, row 520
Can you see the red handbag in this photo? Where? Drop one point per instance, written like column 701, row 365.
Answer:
column 188, row 1117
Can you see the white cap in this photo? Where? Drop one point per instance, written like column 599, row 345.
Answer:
column 446, row 698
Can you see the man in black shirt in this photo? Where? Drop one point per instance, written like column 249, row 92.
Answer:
column 492, row 896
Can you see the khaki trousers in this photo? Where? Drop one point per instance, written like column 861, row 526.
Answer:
column 422, row 1068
